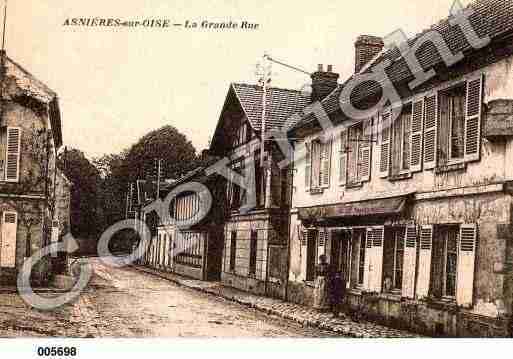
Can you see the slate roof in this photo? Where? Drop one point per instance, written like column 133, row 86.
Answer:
column 493, row 18
column 281, row 104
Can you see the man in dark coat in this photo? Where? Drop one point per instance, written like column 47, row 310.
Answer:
column 337, row 289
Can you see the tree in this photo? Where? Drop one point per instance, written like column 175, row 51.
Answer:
column 176, row 151
column 84, row 202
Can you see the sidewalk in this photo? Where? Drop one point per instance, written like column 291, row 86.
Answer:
column 298, row 313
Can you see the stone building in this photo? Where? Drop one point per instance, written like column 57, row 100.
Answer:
column 30, row 136
column 417, row 212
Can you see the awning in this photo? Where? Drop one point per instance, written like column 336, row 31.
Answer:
column 375, row 207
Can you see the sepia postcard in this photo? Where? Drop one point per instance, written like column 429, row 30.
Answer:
column 336, row 171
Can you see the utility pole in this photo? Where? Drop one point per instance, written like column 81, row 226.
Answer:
column 159, row 170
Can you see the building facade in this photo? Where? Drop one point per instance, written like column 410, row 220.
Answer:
column 190, row 241
column 29, row 140
column 416, row 212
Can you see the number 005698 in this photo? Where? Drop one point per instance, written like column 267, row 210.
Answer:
column 56, row 351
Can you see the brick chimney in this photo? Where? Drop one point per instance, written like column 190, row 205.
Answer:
column 366, row 47
column 323, row 82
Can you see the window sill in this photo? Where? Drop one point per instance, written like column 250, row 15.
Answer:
column 354, row 185
column 450, row 167
column 400, row 176
column 316, row 190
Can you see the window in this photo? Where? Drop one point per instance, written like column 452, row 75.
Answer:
column 318, row 167
column 393, row 259
column 401, row 142
column 241, row 135
column 445, row 261
column 259, row 181
column 233, row 250
column 452, row 125
column 357, row 258
column 253, row 252
column 355, row 154
column 10, row 153
column 237, row 193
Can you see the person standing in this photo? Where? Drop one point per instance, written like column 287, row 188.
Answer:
column 337, row 289
column 321, row 295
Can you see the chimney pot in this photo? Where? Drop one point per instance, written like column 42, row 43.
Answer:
column 319, row 67
column 366, row 48
column 323, row 83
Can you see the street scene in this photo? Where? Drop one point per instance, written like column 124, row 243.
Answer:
column 160, row 196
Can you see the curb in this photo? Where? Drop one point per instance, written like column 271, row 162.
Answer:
column 337, row 328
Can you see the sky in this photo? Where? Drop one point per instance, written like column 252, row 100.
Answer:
column 117, row 84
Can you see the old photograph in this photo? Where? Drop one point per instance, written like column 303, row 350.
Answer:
column 255, row 169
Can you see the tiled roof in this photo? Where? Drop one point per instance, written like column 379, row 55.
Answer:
column 491, row 18
column 281, row 104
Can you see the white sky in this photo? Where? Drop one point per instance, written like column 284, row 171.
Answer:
column 116, row 84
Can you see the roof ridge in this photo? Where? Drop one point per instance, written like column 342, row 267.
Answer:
column 269, row 88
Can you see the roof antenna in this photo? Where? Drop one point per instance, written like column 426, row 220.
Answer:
column 5, row 21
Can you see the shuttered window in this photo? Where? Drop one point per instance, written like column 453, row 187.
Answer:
column 355, row 155
column 385, row 134
column 308, row 166
column 473, row 118
column 342, row 168
column 400, row 155
column 374, row 259
column 12, row 155
column 410, row 262
column 364, row 152
column 417, row 126
column 8, row 242
column 430, row 131
column 424, row 266
column 466, row 263
column 325, row 167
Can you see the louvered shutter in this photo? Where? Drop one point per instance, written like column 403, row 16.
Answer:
column 430, row 131
column 308, row 166
column 424, row 267
column 364, row 154
column 384, row 159
column 8, row 239
column 466, row 261
column 417, row 125
column 409, row 262
column 322, row 238
column 377, row 259
column 12, row 155
column 367, row 261
column 473, row 119
column 325, row 164
column 342, row 174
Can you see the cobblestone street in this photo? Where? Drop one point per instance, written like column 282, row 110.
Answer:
column 129, row 303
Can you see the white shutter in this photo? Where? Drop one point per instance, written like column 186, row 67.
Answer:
column 325, row 164
column 409, row 262
column 377, row 259
column 308, row 166
column 12, row 155
column 364, row 155
column 473, row 119
column 374, row 259
column 384, row 160
column 367, row 261
column 466, row 261
column 430, row 131
column 425, row 247
column 417, row 122
column 342, row 168
column 8, row 245
column 321, row 243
